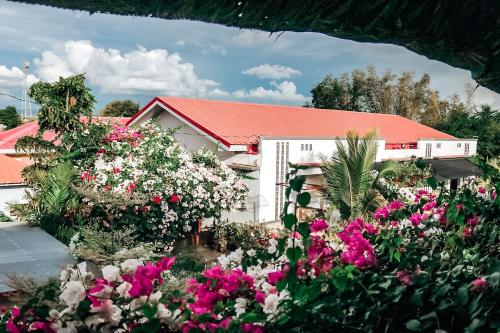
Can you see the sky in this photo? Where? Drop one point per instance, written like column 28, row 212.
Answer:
column 138, row 58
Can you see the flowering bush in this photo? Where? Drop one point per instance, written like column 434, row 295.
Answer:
column 143, row 177
column 425, row 264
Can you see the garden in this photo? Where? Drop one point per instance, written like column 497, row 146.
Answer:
column 396, row 251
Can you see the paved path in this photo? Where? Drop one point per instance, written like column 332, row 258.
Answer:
column 30, row 252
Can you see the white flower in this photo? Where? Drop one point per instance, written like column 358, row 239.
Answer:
column 271, row 304
column 163, row 313
column 73, row 293
column 224, row 261
column 111, row 273
column 70, row 328
column 130, row 265
column 123, row 289
column 155, row 297
column 252, row 253
column 240, row 306
column 272, row 246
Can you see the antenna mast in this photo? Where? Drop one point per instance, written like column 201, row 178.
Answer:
column 26, row 104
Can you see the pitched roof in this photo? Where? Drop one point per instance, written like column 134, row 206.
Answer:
column 236, row 123
column 9, row 137
column 10, row 170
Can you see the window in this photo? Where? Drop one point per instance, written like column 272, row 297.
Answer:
column 438, row 145
column 459, row 145
column 466, row 149
column 306, row 147
column 428, row 150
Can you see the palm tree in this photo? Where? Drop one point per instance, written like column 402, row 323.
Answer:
column 351, row 183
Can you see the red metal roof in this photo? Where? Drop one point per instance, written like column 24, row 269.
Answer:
column 10, row 170
column 236, row 123
column 9, row 138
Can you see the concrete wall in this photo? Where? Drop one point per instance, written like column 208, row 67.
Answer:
column 10, row 194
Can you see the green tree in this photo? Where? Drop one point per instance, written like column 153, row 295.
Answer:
column 120, row 108
column 351, row 184
column 9, row 117
column 62, row 103
column 367, row 91
column 483, row 123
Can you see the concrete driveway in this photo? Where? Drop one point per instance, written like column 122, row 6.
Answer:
column 30, row 252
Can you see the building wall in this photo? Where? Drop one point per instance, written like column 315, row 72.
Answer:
column 10, row 194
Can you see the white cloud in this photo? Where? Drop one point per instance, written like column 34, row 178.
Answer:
column 180, row 42
column 14, row 77
column 275, row 72
column 285, row 91
column 218, row 93
column 139, row 71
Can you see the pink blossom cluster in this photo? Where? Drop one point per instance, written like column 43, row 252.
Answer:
column 358, row 250
column 16, row 324
column 424, row 194
column 123, row 133
column 383, row 213
column 220, row 287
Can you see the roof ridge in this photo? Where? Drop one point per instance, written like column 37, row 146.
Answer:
column 272, row 105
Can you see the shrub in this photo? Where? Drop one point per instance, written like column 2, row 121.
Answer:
column 423, row 264
column 105, row 247
column 231, row 236
column 142, row 177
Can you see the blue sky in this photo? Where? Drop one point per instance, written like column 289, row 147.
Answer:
column 139, row 58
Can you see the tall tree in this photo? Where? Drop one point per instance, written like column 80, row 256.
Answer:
column 62, row 103
column 351, row 185
column 367, row 91
column 9, row 117
column 120, row 108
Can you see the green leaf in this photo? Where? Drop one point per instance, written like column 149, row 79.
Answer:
column 294, row 253
column 303, row 229
column 289, row 220
column 463, row 295
column 432, row 182
column 413, row 325
column 304, row 199
column 297, row 183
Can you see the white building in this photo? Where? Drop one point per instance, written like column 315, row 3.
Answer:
column 260, row 140
column 12, row 187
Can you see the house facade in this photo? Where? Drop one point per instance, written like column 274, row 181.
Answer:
column 260, row 140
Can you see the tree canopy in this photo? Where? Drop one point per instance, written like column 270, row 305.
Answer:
column 62, row 103
column 367, row 91
column 120, row 108
column 9, row 117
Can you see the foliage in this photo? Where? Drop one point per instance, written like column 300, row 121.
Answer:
column 142, row 177
column 9, row 117
column 484, row 124
column 4, row 218
column 102, row 246
column 351, row 185
column 120, row 108
column 426, row 263
column 366, row 91
column 231, row 236
column 62, row 103
column 52, row 203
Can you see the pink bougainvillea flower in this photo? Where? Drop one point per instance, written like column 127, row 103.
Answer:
column 395, row 205
column 404, row 277
column 417, row 218
column 459, row 206
column 131, row 187
column 467, row 232
column 381, row 213
column 252, row 328
column 166, row 263
column 174, row 198
column 480, row 285
column 359, row 251
column 493, row 195
column 481, row 190
column 318, row 225
column 275, row 277
column 156, row 199
column 473, row 220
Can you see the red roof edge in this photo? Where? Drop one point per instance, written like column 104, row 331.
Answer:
column 183, row 116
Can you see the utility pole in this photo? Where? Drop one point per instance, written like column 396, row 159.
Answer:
column 26, row 104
